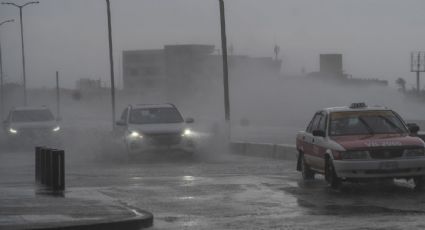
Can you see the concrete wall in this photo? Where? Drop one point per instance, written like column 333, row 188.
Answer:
column 279, row 151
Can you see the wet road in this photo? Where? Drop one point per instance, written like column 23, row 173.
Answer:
column 238, row 192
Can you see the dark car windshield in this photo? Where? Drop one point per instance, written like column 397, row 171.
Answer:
column 155, row 116
column 365, row 122
column 32, row 115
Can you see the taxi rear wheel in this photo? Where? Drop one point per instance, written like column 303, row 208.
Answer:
column 330, row 175
column 306, row 171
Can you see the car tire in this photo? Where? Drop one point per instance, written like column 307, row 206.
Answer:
column 306, row 171
column 419, row 182
column 129, row 151
column 190, row 153
column 330, row 175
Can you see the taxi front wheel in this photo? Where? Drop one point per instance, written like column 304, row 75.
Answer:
column 330, row 175
column 306, row 171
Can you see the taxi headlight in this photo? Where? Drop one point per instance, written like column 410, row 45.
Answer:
column 354, row 155
column 13, row 131
column 414, row 152
column 135, row 134
column 57, row 128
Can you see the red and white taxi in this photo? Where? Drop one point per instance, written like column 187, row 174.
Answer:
column 360, row 142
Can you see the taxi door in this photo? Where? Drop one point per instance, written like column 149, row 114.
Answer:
column 317, row 143
column 308, row 139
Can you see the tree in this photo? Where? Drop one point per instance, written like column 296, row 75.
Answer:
column 401, row 83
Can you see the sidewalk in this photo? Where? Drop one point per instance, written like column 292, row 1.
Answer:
column 24, row 207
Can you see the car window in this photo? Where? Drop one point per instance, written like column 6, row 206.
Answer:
column 314, row 123
column 322, row 123
column 36, row 115
column 124, row 115
column 155, row 116
column 8, row 117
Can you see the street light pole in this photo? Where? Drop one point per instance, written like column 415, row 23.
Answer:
column 2, row 77
column 111, row 63
column 22, row 43
column 225, row 65
column 225, row 72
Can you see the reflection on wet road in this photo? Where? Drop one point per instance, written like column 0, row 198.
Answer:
column 237, row 192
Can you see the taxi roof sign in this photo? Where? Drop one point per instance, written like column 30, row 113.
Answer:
column 358, row 105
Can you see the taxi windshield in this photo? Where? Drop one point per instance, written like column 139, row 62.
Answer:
column 365, row 122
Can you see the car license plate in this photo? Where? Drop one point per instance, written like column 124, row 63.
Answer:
column 388, row 165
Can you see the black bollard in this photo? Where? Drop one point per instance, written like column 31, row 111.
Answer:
column 38, row 150
column 43, row 155
column 58, row 170
column 49, row 166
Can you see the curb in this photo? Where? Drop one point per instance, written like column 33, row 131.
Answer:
column 267, row 150
column 143, row 219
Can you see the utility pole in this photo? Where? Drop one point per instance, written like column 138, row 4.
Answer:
column 58, row 115
column 417, row 64
column 2, row 77
column 418, row 87
column 22, row 43
column 111, row 63
column 225, row 64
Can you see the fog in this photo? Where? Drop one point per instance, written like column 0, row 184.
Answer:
column 278, row 108
column 375, row 38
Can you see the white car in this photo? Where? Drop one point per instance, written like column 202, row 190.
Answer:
column 155, row 127
column 26, row 125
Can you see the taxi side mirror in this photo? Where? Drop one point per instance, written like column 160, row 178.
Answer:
column 319, row 133
column 413, row 128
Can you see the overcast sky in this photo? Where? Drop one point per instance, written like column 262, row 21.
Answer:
column 375, row 36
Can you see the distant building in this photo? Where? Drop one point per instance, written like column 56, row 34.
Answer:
column 186, row 68
column 331, row 69
column 143, row 68
column 183, row 71
column 86, row 84
column 331, row 64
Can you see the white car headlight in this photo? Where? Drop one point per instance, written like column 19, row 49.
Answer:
column 57, row 128
column 13, row 131
column 187, row 133
column 135, row 134
column 414, row 152
column 354, row 155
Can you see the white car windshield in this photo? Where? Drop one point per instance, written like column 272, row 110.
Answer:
column 365, row 122
column 32, row 115
column 155, row 116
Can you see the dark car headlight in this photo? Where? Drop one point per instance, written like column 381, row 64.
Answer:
column 414, row 152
